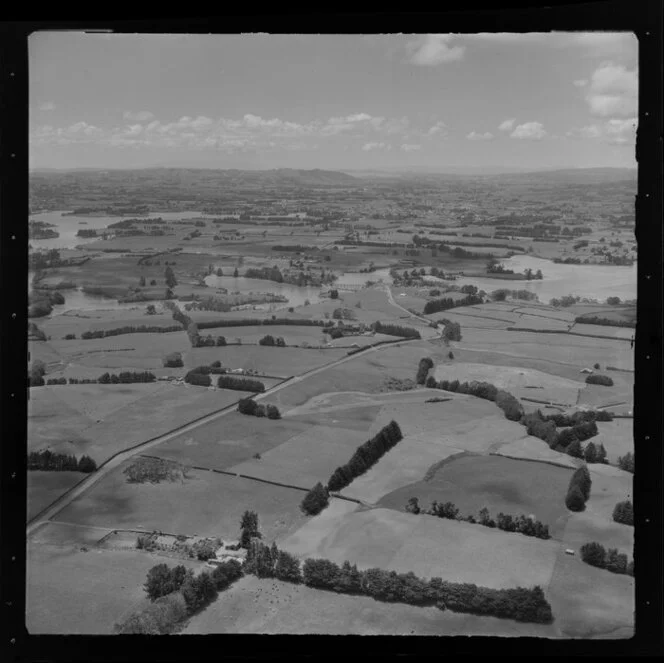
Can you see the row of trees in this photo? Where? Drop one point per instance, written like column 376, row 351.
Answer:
column 367, row 455
column 596, row 555
column 272, row 341
column 54, row 462
column 423, row 368
column 240, row 384
column 256, row 322
column 251, row 407
column 437, row 305
column 607, row 322
column 127, row 377
column 130, row 329
column 520, row 604
column 578, row 491
column 580, row 416
column 505, row 522
column 395, row 330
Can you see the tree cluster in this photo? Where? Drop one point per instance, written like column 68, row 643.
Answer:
column 315, row 500
column 626, row 462
column 56, row 462
column 578, row 490
column 597, row 378
column 423, row 368
column 127, row 377
column 624, row 513
column 271, row 341
column 251, row 407
column 239, row 384
column 452, row 331
column 595, row 554
column 249, row 528
column 54, row 381
column 173, row 360
column 367, row 455
column 130, row 329
column 395, row 330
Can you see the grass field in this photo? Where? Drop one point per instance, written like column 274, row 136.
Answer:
column 429, row 546
column 74, row 592
column 206, row 504
column 266, row 606
column 46, row 487
column 500, row 484
column 57, row 421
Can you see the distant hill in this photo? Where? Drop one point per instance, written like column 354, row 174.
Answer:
column 575, row 176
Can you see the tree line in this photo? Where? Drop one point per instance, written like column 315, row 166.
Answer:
column 367, row 455
column 129, row 329
column 606, row 322
column 437, row 305
column 595, row 554
column 55, row 462
column 394, row 330
column 505, row 522
column 127, row 377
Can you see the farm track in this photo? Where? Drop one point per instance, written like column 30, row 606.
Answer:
column 114, row 461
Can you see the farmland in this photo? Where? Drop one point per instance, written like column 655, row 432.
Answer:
column 329, row 265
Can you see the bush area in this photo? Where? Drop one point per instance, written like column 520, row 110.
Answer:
column 425, row 365
column 520, row 604
column 130, row 329
column 395, row 330
column 177, row 594
column 507, row 523
column 240, row 384
column 270, row 340
column 578, row 491
column 596, row 378
column 607, row 322
column 437, row 305
column 127, row 377
column 251, row 407
column 315, row 500
column 624, row 513
column 54, row 462
column 596, row 555
column 367, row 455
column 626, row 462
column 155, row 470
column 202, row 549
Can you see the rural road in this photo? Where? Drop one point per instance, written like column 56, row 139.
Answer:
column 104, row 469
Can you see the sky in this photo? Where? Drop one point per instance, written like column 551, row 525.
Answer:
column 336, row 102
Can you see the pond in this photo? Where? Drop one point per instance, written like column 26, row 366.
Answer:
column 591, row 281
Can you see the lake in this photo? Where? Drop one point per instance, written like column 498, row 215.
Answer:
column 591, row 281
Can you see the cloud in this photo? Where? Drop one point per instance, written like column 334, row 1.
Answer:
column 410, row 147
column 473, row 135
column 613, row 91
column 141, row 116
column 507, row 125
column 582, row 82
column 440, row 128
column 529, row 131
column 47, row 106
column 368, row 147
column 614, row 131
column 431, row 50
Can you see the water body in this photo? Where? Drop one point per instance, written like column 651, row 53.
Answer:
column 296, row 295
column 591, row 281
column 68, row 226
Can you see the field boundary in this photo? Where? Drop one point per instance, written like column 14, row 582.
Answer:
column 566, row 332
column 531, row 460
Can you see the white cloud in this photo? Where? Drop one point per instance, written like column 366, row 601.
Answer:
column 437, row 129
column 473, row 135
column 614, row 131
column 507, row 125
column 47, row 106
column 140, row 116
column 613, row 91
column 529, row 131
column 368, row 147
column 581, row 82
column 430, row 50
column 410, row 147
